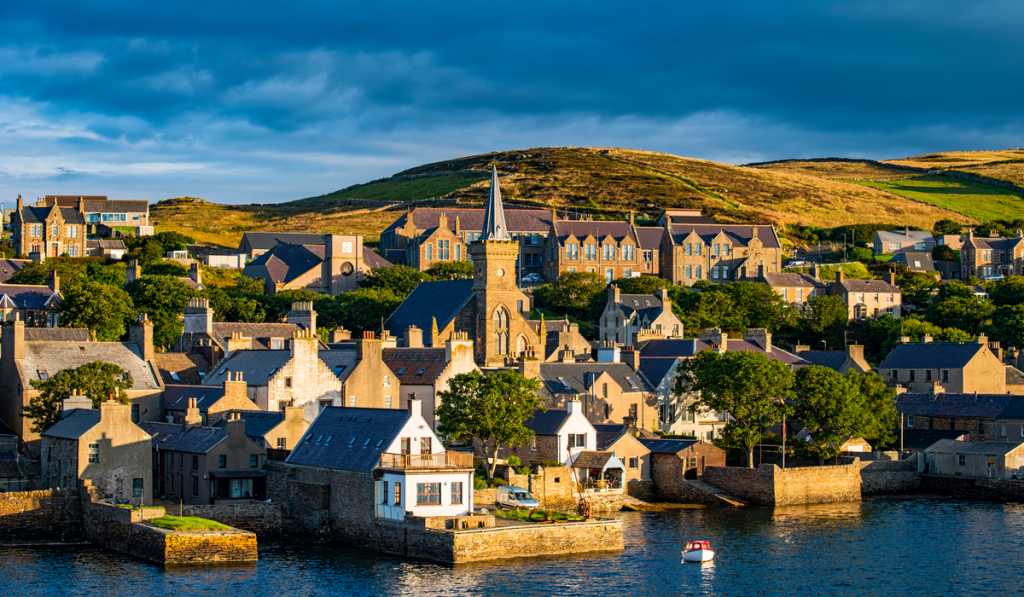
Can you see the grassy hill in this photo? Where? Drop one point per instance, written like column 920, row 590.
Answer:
column 606, row 182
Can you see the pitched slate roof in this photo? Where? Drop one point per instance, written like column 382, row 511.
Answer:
column 667, row 446
column 284, row 263
column 903, row 236
column 416, row 366
column 644, row 305
column 71, row 200
column 171, row 437
column 57, row 335
column 259, row 332
column 328, row 441
column 972, row 406
column 442, row 300
column 257, row 367
column 833, row 359
column 9, row 267
column 268, row 240
column 738, row 235
column 472, row 219
column 186, row 367
column 849, row 285
column 919, row 439
column 258, row 423
column 581, row 229
column 547, row 423
column 176, row 397
column 792, row 280
column 911, row 259
column 1000, row 242
column 580, row 376
column 931, row 355
column 9, row 468
column 1014, row 376
column 105, row 243
column 74, row 425
column 115, row 206
column 649, row 237
column 341, row 359
column 25, row 296
column 655, row 370
column 660, row 357
column 51, row 357
column 32, row 214
column 373, row 260
column 593, row 459
column 949, row 446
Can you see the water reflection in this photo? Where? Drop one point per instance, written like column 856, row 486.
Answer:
column 918, row 547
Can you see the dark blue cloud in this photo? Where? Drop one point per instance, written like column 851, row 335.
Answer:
column 242, row 101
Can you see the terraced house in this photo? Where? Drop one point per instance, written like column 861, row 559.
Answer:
column 612, row 249
column 98, row 209
column 988, row 256
column 868, row 298
column 721, row 254
column 42, row 231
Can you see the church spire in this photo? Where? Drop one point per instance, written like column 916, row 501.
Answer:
column 494, row 215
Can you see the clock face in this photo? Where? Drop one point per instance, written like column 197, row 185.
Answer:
column 346, row 247
column 501, row 272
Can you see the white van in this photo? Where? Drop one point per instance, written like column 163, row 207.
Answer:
column 515, row 497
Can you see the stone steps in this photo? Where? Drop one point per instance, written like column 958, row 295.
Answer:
column 714, row 493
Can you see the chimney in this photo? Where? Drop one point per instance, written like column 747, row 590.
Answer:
column 369, row 348
column 115, row 411
column 133, row 271
column 759, row 336
column 413, row 337
column 305, row 347
column 613, row 294
column 459, row 346
column 937, row 388
column 235, row 386
column 193, row 418
column 716, row 337
column 904, row 339
column 294, row 414
column 442, row 220
column 415, row 406
column 53, row 281
column 14, row 339
column 608, row 352
column 662, row 294
column 198, row 316
column 981, row 339
column 855, row 352
column 236, row 427
column 21, row 202
column 900, row 390
column 839, row 275
column 575, row 406
column 753, row 232
column 303, row 315
column 76, row 400
column 141, row 332
column 195, row 274
column 927, row 338
column 631, row 222
column 890, row 277
column 340, row 334
column 458, row 227
column 631, row 356
column 801, row 348
column 529, row 365
column 235, row 343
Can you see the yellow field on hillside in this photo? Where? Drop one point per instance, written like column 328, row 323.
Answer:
column 835, row 168
column 955, row 159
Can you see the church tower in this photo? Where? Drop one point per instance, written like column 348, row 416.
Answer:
column 502, row 330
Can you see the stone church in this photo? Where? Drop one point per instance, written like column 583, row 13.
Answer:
column 490, row 309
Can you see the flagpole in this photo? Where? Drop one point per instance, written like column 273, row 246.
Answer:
column 783, row 441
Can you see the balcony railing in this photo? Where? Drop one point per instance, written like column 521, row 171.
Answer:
column 449, row 460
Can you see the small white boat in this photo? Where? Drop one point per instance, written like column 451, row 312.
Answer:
column 698, row 551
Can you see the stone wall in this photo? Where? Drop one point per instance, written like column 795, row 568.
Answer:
column 214, row 547
column 552, row 487
column 771, row 486
column 667, row 473
column 537, row 540
column 50, row 515
column 997, row 490
column 641, row 490
column 260, row 518
column 887, row 477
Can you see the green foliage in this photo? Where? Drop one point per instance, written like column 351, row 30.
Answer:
column 364, row 309
column 917, row 288
column 748, row 385
column 514, row 461
column 944, row 253
column 1006, row 292
column 641, row 285
column 491, row 409
column 861, row 254
column 166, row 268
column 733, row 307
column 573, row 292
column 535, row 515
column 1007, row 326
column 163, row 299
column 479, row 483
column 451, row 270
column 948, row 227
column 187, row 523
column 148, row 250
column 954, row 289
column 97, row 380
column 399, row 279
column 915, row 328
column 823, row 318
column 879, row 406
column 103, row 310
column 966, row 314
column 830, row 406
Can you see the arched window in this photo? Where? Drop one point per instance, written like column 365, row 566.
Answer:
column 500, row 343
column 501, row 318
column 521, row 344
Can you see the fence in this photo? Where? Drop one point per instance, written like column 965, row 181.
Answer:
column 450, row 460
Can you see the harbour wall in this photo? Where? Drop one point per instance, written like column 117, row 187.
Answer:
column 47, row 515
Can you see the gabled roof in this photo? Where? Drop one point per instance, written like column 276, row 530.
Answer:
column 71, row 200
column 442, row 300
column 48, row 358
column 667, row 446
column 649, row 237
column 264, row 241
column 931, row 355
column 596, row 460
column 260, row 333
column 115, row 206
column 180, row 368
column 546, row 423
column 172, row 437
column 903, row 236
column 996, row 242
column 105, row 243
column 176, row 397
column 919, row 439
column 32, row 214
column 580, row 376
column 25, row 296
column 581, row 229
column 33, row 334
column 284, row 263
column 328, row 442
column 9, row 267
column 341, row 359
column 644, row 305
column 472, row 219
column 787, row 279
column 949, row 446
column 416, row 366
column 1014, row 376
column 918, row 262
column 74, row 425
column 971, row 406
column 258, row 423
column 257, row 367
column 849, row 285
column 833, row 359
column 738, row 235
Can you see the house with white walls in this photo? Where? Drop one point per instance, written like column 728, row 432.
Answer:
column 557, row 435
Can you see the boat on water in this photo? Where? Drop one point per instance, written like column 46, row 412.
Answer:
column 698, row 551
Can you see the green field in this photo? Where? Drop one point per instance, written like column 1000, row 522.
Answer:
column 407, row 190
column 978, row 201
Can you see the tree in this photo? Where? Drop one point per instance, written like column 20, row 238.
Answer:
column 880, row 417
column 573, row 291
column 364, row 309
column 829, row 406
column 491, row 409
column 944, row 253
column 917, row 288
column 823, row 318
column 163, row 298
column 641, row 285
column 1008, row 291
column 747, row 385
column 399, row 279
column 954, row 289
column 97, row 380
column 103, row 310
column 451, row 270
column 948, row 227
column 915, row 328
column 962, row 313
column 1007, row 326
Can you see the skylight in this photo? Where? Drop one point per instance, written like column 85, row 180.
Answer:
column 174, row 376
column 353, row 440
column 421, row 371
column 43, row 375
column 339, row 369
column 309, row 437
column 319, row 438
column 401, row 371
column 202, row 375
column 631, row 382
column 329, row 438
column 564, row 383
column 379, row 442
column 367, row 442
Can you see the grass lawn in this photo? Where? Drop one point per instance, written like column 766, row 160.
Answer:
column 535, row 516
column 188, row 523
column 978, row 201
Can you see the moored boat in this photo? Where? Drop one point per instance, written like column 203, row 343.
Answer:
column 698, row 551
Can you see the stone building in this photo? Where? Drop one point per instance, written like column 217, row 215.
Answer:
column 986, row 460
column 633, row 318
column 23, row 360
column 332, row 266
column 650, row 249
column 44, row 231
column 894, row 242
column 634, row 455
column 609, row 392
column 988, row 256
column 985, row 417
column 196, row 464
column 37, row 306
column 868, row 298
column 221, row 339
column 611, row 249
column 955, row 367
column 674, row 460
column 558, row 435
column 721, row 254
column 794, row 288
column 103, row 446
column 371, row 383
column 272, row 430
column 9, row 267
column 98, row 209
column 837, row 360
column 214, row 403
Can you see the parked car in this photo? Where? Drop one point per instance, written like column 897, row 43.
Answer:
column 531, row 278
column 515, row 497
column 994, row 277
column 794, row 263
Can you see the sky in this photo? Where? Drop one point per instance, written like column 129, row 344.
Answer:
column 260, row 102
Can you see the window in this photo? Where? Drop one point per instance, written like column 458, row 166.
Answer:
column 254, row 461
column 388, row 402
column 94, row 453
column 609, row 275
column 353, row 401
column 577, row 440
column 609, row 252
column 860, row 297
column 572, row 251
column 533, row 439
column 282, row 443
column 287, row 382
column 384, row 492
column 222, row 461
column 72, row 250
column 195, row 486
column 428, row 494
column 894, row 246
column 689, row 249
column 276, row 345
column 398, row 493
column 913, row 375
column 714, row 250
column 725, row 249
column 195, row 462
column 927, row 374
column 456, row 492
column 648, row 255
column 634, row 462
column 628, row 273
column 425, row 445
column 714, row 271
column 799, row 294
column 991, row 462
column 387, row 380
column 697, row 248
column 137, row 488
column 697, row 273
column 458, row 252
column 72, row 232
column 910, row 421
column 689, row 271
column 590, row 251
column 627, row 252
column 604, row 390
column 55, row 230
column 981, row 426
column 430, row 251
column 725, row 272
column 945, row 375
column 406, row 445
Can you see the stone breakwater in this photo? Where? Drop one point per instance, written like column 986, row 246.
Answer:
column 48, row 515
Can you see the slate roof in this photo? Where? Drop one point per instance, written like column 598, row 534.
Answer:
column 71, row 200
column 472, row 219
column 903, row 236
column 581, row 229
column 777, row 354
column 117, row 206
column 186, row 367
column 9, row 267
column 328, row 441
column 52, row 357
column 911, row 258
column 644, row 305
column 176, row 396
column 172, row 437
column 970, row 406
column 849, row 285
column 9, row 468
column 949, row 446
column 258, row 423
column 919, row 439
column 105, row 243
column 416, row 366
column 793, row 280
column 258, row 367
column 341, row 358
column 442, row 299
column 658, row 357
column 738, row 235
column 667, row 446
column 833, row 359
column 264, row 241
column 1014, row 376
column 931, row 355
column 650, row 238
column 655, row 370
column 259, row 332
column 31, row 214
column 1000, row 242
column 547, row 423
column 579, row 377
column 25, row 296
column 593, row 459
column 57, row 335
column 74, row 425
column 284, row 262
column 1015, row 409
column 373, row 260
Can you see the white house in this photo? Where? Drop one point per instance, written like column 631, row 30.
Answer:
column 557, row 435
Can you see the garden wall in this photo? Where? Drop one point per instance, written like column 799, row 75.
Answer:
column 49, row 515
column 768, row 485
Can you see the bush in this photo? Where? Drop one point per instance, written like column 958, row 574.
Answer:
column 550, row 464
column 514, row 461
column 523, row 470
column 479, row 483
